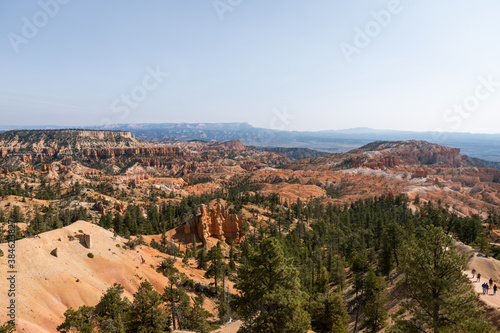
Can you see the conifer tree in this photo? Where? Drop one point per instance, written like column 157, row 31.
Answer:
column 215, row 268
column 441, row 298
column 375, row 313
column 271, row 299
column 146, row 314
column 329, row 313
column 81, row 320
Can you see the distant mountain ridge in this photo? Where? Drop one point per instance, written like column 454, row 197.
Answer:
column 483, row 146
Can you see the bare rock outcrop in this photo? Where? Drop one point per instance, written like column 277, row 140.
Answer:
column 47, row 168
column 85, row 239
column 229, row 145
column 67, row 161
column 98, row 206
column 421, row 173
column 119, row 208
column 413, row 152
column 217, row 223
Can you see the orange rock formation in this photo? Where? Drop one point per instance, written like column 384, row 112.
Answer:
column 217, row 223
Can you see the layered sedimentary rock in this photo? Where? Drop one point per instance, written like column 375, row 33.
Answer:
column 119, row 208
column 413, row 152
column 229, row 145
column 421, row 173
column 67, row 161
column 85, row 239
column 49, row 144
column 389, row 161
column 490, row 175
column 98, row 206
column 216, row 223
column 105, row 153
column 47, row 168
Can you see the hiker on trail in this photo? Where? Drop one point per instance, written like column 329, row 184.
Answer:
column 473, row 272
column 484, row 287
column 478, row 277
column 491, row 282
column 495, row 289
column 487, row 288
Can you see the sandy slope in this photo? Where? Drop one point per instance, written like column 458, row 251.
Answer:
column 47, row 286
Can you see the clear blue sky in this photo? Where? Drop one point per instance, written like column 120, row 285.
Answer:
column 279, row 63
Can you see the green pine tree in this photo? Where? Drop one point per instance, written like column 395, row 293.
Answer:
column 374, row 310
column 112, row 307
column 441, row 298
column 329, row 313
column 147, row 315
column 215, row 267
column 201, row 259
column 270, row 299
column 81, row 320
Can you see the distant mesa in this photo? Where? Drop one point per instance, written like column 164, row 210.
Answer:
column 411, row 152
column 70, row 133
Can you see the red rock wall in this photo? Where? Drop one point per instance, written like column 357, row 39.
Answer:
column 217, row 223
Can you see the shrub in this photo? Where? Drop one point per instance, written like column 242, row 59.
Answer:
column 1, row 253
column 90, row 255
column 137, row 241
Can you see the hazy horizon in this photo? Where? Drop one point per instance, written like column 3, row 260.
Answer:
column 288, row 65
column 112, row 127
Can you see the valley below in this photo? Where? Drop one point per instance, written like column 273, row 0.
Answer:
column 95, row 208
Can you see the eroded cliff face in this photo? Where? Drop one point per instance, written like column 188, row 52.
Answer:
column 117, row 151
column 230, row 145
column 41, row 146
column 217, row 223
column 106, row 153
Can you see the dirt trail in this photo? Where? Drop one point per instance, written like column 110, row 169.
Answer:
column 488, row 268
